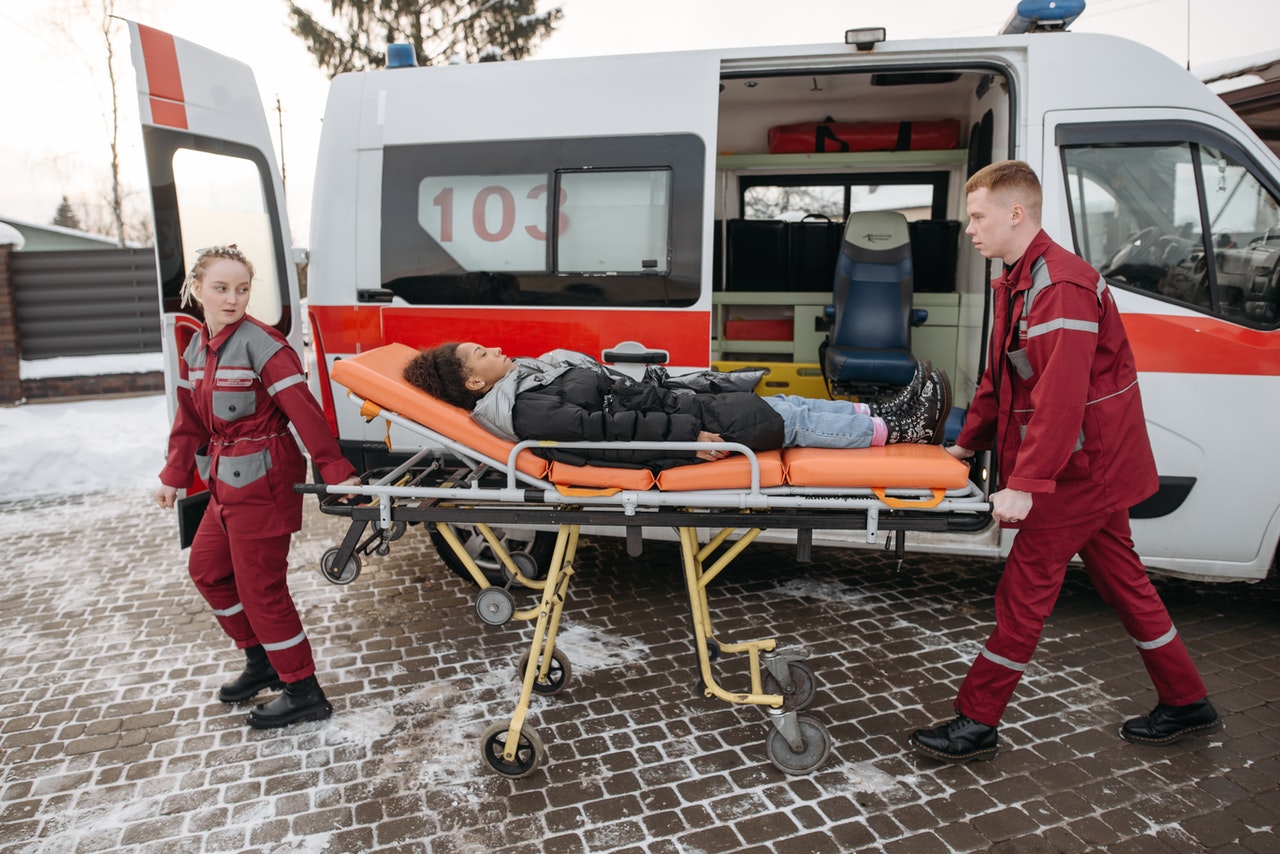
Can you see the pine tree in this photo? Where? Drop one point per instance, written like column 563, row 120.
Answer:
column 66, row 216
column 441, row 31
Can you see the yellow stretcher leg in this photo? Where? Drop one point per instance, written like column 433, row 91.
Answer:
column 798, row 744
column 515, row 749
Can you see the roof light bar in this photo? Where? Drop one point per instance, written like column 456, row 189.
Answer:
column 1039, row 16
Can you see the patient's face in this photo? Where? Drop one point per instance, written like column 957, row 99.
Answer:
column 484, row 365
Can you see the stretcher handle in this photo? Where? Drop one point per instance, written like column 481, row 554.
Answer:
column 936, row 496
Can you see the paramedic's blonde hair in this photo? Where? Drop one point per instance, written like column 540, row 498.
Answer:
column 203, row 257
column 1012, row 180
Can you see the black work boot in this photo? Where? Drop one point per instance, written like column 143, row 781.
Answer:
column 300, row 701
column 258, row 674
column 907, row 397
column 961, row 740
column 925, row 423
column 1167, row 724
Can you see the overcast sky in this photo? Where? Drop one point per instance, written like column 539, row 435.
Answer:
column 52, row 64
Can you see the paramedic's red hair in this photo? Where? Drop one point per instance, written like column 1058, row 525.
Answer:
column 1013, row 181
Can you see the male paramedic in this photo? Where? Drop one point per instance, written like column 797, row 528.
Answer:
column 1059, row 405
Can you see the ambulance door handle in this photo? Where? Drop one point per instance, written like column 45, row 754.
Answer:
column 637, row 357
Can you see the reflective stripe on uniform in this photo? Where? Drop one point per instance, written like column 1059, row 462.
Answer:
column 285, row 383
column 234, row 374
column 1158, row 642
column 228, row 612
column 1004, row 662
column 184, row 384
column 1063, row 323
column 293, row 641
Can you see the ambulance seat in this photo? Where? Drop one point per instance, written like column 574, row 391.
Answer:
column 868, row 348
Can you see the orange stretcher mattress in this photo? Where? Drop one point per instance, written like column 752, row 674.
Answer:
column 377, row 376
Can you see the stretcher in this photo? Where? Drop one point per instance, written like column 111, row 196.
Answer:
column 466, row 476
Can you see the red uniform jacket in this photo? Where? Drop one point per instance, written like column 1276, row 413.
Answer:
column 1059, row 399
column 237, row 394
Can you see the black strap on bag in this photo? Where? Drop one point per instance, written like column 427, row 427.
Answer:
column 823, row 133
column 904, row 137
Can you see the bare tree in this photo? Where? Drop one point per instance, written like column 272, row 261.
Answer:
column 440, row 31
column 102, row 14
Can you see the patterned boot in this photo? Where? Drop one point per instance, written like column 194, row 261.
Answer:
column 909, row 393
column 926, row 422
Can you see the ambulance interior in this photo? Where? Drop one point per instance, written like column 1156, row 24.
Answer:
column 913, row 138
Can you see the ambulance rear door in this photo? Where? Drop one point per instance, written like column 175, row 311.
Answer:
column 213, row 181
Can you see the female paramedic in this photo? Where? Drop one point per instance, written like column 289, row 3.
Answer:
column 240, row 386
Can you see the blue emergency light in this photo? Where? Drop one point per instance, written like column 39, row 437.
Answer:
column 1035, row 16
column 401, row 55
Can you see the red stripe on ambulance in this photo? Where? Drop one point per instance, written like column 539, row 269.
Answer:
column 1179, row 344
column 164, row 80
column 520, row 332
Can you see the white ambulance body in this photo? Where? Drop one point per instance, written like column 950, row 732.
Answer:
column 633, row 204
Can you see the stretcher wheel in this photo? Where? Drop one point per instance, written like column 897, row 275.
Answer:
column 495, row 606
column 799, row 694
column 557, row 676
column 817, row 746
column 528, row 566
column 345, row 574
column 396, row 531
column 529, row 750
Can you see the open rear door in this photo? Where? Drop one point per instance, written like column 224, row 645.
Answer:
column 213, row 181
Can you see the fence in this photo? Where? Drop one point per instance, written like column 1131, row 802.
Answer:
column 75, row 303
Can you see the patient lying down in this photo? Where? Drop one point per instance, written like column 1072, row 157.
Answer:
column 568, row 397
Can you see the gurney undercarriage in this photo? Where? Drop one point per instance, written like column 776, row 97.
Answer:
column 716, row 509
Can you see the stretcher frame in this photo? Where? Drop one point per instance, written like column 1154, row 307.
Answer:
column 450, row 483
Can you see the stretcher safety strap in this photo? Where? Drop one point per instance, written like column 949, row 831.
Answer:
column 1158, row 642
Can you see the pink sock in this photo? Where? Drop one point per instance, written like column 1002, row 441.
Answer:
column 879, row 432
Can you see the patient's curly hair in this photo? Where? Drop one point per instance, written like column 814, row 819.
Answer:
column 440, row 373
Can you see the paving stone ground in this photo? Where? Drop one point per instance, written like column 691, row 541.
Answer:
column 111, row 739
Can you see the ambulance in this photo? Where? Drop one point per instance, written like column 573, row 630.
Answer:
column 686, row 208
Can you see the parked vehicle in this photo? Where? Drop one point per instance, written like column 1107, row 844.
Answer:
column 633, row 208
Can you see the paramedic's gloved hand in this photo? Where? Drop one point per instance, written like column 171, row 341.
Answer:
column 165, row 496
column 704, row 436
column 1010, row 505
column 959, row 453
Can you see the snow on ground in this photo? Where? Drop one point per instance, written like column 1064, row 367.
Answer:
column 90, row 366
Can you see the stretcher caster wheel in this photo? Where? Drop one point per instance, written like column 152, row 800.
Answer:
column 557, row 676
column 494, row 606
column 396, row 531
column 527, row 564
column 344, row 574
column 816, row 747
column 798, row 695
column 529, row 750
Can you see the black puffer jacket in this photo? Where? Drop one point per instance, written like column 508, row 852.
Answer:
column 588, row 405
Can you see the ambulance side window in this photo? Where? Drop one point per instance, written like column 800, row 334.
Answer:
column 559, row 222
column 1186, row 222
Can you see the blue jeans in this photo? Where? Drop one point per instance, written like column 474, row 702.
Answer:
column 814, row 423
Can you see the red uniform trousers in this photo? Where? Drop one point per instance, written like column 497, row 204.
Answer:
column 244, row 581
column 1028, row 589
